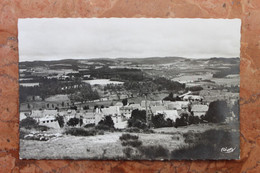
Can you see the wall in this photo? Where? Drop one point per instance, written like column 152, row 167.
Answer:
column 247, row 10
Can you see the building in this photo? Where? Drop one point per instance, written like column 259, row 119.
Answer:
column 199, row 110
column 118, row 118
column 171, row 114
column 49, row 121
column 43, row 113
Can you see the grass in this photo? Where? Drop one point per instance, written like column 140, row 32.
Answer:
column 208, row 145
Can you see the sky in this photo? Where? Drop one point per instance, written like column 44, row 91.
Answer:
column 85, row 38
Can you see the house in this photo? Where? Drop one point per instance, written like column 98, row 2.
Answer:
column 88, row 118
column 199, row 110
column 22, row 116
column 43, row 113
column 127, row 110
column 171, row 114
column 154, row 109
column 193, row 98
column 49, row 121
column 114, row 111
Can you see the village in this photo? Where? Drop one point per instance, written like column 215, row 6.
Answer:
column 105, row 101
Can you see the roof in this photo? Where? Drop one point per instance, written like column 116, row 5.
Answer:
column 199, row 108
column 119, row 104
column 111, row 110
column 171, row 114
column 154, row 109
column 42, row 113
column 192, row 97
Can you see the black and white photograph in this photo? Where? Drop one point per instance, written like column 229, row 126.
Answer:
column 129, row 88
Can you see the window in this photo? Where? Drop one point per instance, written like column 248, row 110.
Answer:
column 51, row 120
column 47, row 121
column 43, row 122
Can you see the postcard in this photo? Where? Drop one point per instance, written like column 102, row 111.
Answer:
column 129, row 88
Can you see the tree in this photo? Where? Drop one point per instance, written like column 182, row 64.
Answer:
column 73, row 121
column 124, row 101
column 236, row 108
column 159, row 121
column 107, row 122
column 218, row 112
column 60, row 120
column 86, row 107
column 28, row 123
column 183, row 120
column 138, row 119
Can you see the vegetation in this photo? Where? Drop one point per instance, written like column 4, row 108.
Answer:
column 193, row 88
column 208, row 145
column 172, row 98
column 60, row 120
column 138, row 119
column 224, row 72
column 218, row 112
column 83, row 132
column 135, row 150
column 73, row 121
column 159, row 121
column 28, row 123
column 107, row 122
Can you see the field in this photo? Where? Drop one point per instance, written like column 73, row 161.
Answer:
column 107, row 146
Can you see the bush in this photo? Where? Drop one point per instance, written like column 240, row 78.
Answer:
column 80, row 132
column 41, row 128
column 183, row 121
column 138, row 119
column 28, row 123
column 89, row 125
column 128, row 136
column 107, row 122
column 159, row 121
column 134, row 143
column 102, row 127
column 73, row 122
column 60, row 120
column 208, row 145
column 154, row 151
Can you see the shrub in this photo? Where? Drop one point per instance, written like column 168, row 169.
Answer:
column 102, row 127
column 128, row 151
column 89, row 125
column 159, row 121
column 80, row 132
column 41, row 128
column 60, row 120
column 207, row 145
column 133, row 129
column 128, row 136
column 28, row 123
column 73, row 121
column 107, row 122
column 154, row 151
column 138, row 119
column 133, row 143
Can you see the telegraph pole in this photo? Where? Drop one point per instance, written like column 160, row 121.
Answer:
column 146, row 110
